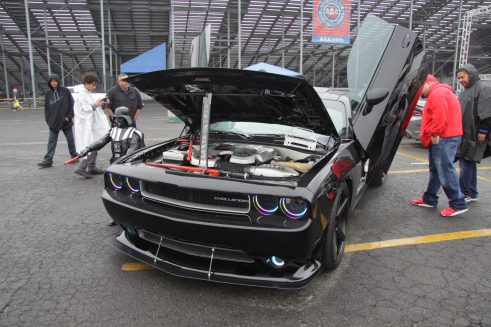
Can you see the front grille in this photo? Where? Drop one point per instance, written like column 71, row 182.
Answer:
column 196, row 198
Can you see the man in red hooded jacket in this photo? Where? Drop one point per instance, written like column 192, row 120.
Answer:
column 441, row 131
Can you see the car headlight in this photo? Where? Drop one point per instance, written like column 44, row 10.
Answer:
column 265, row 204
column 293, row 208
column 133, row 185
column 273, row 206
column 116, row 181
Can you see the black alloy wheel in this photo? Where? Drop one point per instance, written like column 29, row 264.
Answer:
column 335, row 236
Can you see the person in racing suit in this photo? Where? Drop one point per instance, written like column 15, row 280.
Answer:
column 124, row 138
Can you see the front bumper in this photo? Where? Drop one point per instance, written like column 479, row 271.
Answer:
column 214, row 252
column 300, row 278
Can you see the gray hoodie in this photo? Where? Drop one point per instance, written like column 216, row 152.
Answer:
column 475, row 101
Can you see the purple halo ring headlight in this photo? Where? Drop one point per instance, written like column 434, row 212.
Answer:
column 265, row 204
column 116, row 181
column 133, row 185
column 293, row 208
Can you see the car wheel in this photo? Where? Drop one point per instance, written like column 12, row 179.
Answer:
column 335, row 235
column 377, row 178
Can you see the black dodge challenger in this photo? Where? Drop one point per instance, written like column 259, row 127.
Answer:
column 257, row 188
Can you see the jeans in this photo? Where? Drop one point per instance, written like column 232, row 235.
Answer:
column 468, row 177
column 53, row 140
column 443, row 174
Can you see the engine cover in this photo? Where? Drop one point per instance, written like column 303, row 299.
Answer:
column 239, row 154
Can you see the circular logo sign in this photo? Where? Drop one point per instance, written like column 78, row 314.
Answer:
column 331, row 13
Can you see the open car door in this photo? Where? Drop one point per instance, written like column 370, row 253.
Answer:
column 385, row 78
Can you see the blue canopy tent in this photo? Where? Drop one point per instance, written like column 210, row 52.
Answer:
column 268, row 68
column 152, row 60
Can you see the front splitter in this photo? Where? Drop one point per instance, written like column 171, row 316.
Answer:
column 303, row 276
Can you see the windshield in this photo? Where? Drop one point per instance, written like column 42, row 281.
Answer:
column 337, row 112
column 365, row 56
column 251, row 129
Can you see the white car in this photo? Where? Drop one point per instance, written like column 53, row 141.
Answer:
column 414, row 126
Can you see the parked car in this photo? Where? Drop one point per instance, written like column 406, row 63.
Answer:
column 258, row 187
column 414, row 127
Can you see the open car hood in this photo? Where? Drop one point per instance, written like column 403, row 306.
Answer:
column 237, row 95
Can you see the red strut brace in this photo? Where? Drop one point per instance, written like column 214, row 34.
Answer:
column 209, row 171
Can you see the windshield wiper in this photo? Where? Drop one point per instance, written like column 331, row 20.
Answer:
column 244, row 136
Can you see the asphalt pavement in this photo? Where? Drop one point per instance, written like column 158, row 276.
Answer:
column 406, row 266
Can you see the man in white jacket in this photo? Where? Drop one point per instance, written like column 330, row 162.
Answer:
column 91, row 123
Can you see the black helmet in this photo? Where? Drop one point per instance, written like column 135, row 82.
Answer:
column 124, row 112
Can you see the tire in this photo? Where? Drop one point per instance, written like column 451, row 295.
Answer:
column 377, row 178
column 335, row 235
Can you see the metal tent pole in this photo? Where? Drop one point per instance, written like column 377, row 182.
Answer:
column 333, row 66
column 110, row 42
column 239, row 28
column 22, row 77
column 173, row 40
column 7, row 87
column 300, row 64
column 62, row 69
column 31, row 59
column 47, row 42
column 411, row 15
column 283, row 41
column 454, row 79
column 103, row 46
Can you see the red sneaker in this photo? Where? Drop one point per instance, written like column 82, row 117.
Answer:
column 421, row 203
column 450, row 212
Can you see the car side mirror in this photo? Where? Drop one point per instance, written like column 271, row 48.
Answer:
column 375, row 96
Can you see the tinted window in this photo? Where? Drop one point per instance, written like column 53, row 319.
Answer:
column 365, row 56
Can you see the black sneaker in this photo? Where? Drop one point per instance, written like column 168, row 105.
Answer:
column 82, row 173
column 45, row 164
column 95, row 171
column 470, row 199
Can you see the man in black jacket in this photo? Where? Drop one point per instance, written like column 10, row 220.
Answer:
column 124, row 95
column 58, row 112
column 475, row 100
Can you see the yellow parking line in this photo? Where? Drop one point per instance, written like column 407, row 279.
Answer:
column 418, row 240
column 408, row 171
column 412, row 157
column 484, row 179
column 135, row 266
column 411, row 146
